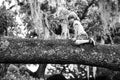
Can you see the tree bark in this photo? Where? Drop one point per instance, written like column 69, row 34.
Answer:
column 58, row 51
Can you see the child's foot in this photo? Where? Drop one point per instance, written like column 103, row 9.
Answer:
column 92, row 41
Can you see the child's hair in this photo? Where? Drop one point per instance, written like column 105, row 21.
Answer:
column 73, row 15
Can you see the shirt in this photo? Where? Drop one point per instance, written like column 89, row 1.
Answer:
column 79, row 30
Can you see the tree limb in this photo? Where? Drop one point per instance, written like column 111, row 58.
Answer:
column 86, row 9
column 58, row 51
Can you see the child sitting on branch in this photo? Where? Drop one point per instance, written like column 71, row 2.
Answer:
column 79, row 35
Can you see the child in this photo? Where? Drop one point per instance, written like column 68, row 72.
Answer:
column 79, row 34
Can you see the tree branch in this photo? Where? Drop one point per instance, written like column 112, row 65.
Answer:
column 58, row 51
column 86, row 9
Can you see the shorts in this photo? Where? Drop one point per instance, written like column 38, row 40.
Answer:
column 82, row 37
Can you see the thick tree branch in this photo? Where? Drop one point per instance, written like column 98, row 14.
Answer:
column 58, row 51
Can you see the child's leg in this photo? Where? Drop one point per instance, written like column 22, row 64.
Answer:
column 78, row 42
column 81, row 39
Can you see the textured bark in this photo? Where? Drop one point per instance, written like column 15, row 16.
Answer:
column 58, row 51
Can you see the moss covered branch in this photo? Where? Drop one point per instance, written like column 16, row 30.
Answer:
column 58, row 51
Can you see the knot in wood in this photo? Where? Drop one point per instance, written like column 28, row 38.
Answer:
column 3, row 44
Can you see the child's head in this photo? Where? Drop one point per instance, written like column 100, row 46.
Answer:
column 73, row 16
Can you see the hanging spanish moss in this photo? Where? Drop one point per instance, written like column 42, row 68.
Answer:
column 37, row 16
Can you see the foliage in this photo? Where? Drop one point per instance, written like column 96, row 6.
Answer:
column 70, row 71
column 6, row 20
column 16, row 73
